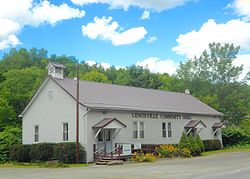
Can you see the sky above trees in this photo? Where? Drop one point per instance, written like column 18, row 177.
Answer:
column 157, row 34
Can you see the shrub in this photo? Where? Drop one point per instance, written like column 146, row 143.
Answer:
column 10, row 136
column 167, row 150
column 201, row 147
column 193, row 143
column 234, row 136
column 184, row 142
column 141, row 157
column 66, row 152
column 213, row 144
column 184, row 152
column 41, row 152
column 195, row 149
column 20, row 153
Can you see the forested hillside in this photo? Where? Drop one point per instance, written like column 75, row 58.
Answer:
column 211, row 77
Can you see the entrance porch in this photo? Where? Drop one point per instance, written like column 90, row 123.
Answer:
column 104, row 148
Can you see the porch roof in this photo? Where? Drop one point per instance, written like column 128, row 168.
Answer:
column 218, row 125
column 195, row 124
column 107, row 121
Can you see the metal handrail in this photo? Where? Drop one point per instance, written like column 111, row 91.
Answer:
column 119, row 152
column 114, row 149
column 99, row 150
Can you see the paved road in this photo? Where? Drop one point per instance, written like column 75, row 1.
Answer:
column 219, row 166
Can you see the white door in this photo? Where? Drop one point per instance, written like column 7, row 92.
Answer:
column 105, row 140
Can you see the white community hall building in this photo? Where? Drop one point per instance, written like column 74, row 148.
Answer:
column 112, row 115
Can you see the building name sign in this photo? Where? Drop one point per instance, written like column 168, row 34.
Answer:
column 161, row 116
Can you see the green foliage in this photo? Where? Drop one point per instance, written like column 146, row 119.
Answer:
column 7, row 114
column 184, row 142
column 9, row 137
column 201, row 147
column 245, row 124
column 20, row 153
column 214, row 79
column 235, row 136
column 193, row 143
column 20, row 85
column 66, row 152
column 63, row 152
column 212, row 144
column 94, row 76
column 41, row 152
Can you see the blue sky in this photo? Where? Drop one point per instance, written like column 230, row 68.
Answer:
column 113, row 32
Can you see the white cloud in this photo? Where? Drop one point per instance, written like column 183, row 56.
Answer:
column 90, row 62
column 49, row 13
column 156, row 65
column 242, row 8
column 151, row 39
column 15, row 14
column 157, row 5
column 145, row 15
column 195, row 42
column 104, row 29
column 103, row 64
column 245, row 61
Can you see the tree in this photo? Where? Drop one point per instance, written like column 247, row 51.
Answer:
column 7, row 114
column 94, row 76
column 20, row 85
column 215, row 65
column 215, row 80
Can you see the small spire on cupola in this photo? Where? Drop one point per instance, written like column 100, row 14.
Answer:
column 55, row 70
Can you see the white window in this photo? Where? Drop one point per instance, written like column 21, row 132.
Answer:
column 169, row 130
column 164, row 131
column 65, row 131
column 138, row 130
column 36, row 133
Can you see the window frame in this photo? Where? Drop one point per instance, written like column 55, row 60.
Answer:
column 170, row 131
column 164, row 131
column 36, row 134
column 138, row 130
column 167, row 133
column 65, row 132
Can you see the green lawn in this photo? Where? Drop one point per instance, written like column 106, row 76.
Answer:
column 226, row 150
column 40, row 165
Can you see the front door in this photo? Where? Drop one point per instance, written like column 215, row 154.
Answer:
column 105, row 140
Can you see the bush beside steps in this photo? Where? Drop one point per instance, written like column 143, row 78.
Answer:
column 63, row 152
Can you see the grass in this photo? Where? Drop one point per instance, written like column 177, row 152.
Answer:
column 40, row 165
column 225, row 150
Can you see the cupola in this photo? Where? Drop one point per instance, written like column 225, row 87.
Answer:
column 55, row 70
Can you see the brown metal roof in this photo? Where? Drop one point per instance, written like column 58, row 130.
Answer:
column 194, row 123
column 107, row 121
column 218, row 125
column 109, row 96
